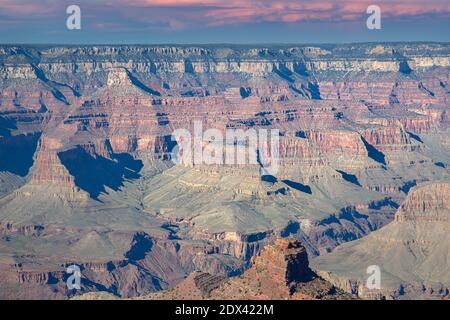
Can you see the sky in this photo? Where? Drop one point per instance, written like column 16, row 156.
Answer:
column 219, row 21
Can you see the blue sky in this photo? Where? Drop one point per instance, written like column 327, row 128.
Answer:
column 217, row 21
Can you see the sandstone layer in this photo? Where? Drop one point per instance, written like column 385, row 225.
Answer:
column 87, row 140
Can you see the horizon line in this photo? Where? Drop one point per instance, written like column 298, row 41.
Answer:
column 226, row 43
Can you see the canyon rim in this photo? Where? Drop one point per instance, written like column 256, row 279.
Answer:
column 87, row 177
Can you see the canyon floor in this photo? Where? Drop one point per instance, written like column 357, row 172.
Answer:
column 87, row 175
column 280, row 272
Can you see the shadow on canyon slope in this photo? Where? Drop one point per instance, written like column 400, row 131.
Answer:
column 349, row 177
column 373, row 153
column 92, row 174
column 141, row 245
column 142, row 86
column 16, row 153
column 6, row 125
column 298, row 186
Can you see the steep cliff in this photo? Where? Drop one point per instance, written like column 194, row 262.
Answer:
column 410, row 251
column 86, row 141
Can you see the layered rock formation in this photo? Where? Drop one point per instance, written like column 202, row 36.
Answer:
column 411, row 252
column 280, row 272
column 86, row 140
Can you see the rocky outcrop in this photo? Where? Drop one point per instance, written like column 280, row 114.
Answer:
column 430, row 203
column 281, row 271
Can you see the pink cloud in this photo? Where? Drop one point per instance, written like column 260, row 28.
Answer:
column 26, row 8
column 178, row 14
column 238, row 11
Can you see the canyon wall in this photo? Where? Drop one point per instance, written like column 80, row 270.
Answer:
column 87, row 140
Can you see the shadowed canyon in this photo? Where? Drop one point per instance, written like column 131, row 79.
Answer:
column 87, row 177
